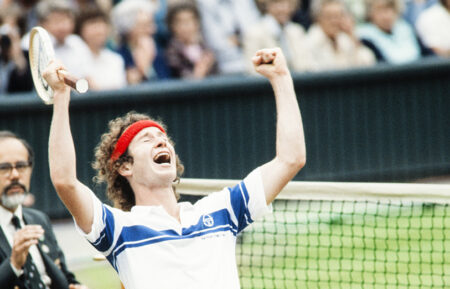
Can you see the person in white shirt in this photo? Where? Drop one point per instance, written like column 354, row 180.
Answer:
column 224, row 22
column 58, row 18
column 332, row 41
column 106, row 68
column 433, row 27
column 277, row 29
column 151, row 240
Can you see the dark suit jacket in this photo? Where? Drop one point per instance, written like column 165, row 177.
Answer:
column 54, row 260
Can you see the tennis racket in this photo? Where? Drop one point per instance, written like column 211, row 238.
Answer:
column 40, row 54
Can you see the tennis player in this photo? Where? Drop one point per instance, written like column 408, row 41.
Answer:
column 150, row 239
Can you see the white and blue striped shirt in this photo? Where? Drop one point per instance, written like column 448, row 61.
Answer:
column 151, row 249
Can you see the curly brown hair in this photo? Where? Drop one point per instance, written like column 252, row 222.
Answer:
column 118, row 189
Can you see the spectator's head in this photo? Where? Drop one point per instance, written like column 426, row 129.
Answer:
column 328, row 15
column 94, row 27
column 16, row 159
column 183, row 20
column 383, row 13
column 134, row 18
column 138, row 155
column 281, row 10
column 57, row 17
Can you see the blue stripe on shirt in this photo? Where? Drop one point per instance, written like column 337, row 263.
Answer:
column 104, row 241
column 239, row 202
column 138, row 235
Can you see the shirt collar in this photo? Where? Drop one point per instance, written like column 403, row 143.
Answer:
column 6, row 216
column 158, row 209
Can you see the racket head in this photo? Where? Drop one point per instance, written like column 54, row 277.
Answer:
column 40, row 54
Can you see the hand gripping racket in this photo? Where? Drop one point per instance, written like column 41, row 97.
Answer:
column 40, row 54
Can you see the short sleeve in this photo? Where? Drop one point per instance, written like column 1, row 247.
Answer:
column 101, row 235
column 248, row 200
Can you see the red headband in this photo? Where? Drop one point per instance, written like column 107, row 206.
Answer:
column 128, row 135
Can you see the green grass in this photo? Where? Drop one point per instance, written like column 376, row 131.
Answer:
column 97, row 276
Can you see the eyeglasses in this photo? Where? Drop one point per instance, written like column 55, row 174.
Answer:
column 6, row 168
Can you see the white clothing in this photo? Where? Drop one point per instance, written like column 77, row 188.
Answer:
column 106, row 70
column 433, row 27
column 221, row 19
column 9, row 230
column 346, row 55
column 291, row 38
column 151, row 249
column 73, row 53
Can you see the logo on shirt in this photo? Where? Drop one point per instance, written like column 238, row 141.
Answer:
column 208, row 221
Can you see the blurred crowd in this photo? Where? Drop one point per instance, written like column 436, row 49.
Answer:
column 115, row 43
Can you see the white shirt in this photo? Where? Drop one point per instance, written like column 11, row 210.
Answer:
column 220, row 20
column 9, row 231
column 151, row 249
column 106, row 70
column 346, row 55
column 433, row 27
column 73, row 53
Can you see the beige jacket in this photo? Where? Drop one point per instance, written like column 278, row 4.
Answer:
column 347, row 54
column 268, row 33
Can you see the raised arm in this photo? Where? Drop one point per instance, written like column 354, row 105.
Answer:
column 75, row 195
column 290, row 143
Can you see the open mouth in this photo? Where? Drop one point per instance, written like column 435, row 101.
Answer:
column 162, row 158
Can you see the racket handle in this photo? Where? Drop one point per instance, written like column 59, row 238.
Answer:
column 79, row 84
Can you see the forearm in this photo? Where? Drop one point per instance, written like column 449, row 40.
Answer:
column 61, row 148
column 290, row 143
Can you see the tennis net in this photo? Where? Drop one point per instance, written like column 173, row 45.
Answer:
column 345, row 235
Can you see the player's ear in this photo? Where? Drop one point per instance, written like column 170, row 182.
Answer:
column 125, row 169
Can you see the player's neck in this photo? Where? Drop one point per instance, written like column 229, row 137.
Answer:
column 160, row 196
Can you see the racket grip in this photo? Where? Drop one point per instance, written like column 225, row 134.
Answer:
column 79, row 84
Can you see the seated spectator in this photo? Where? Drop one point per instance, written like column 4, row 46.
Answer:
column 15, row 74
column 106, row 68
column 58, row 18
column 391, row 38
column 187, row 54
column 133, row 20
column 276, row 29
column 224, row 22
column 433, row 27
column 331, row 39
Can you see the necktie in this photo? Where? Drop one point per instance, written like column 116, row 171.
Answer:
column 31, row 276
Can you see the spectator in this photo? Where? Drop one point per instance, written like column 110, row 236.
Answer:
column 276, row 29
column 224, row 22
column 27, row 9
column 133, row 20
column 106, row 68
column 58, row 18
column 187, row 54
column 433, row 27
column 331, row 39
column 15, row 75
column 35, row 260
column 391, row 38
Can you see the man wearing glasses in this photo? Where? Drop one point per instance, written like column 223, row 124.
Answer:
column 30, row 257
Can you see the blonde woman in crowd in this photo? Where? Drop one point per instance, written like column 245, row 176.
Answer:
column 390, row 37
